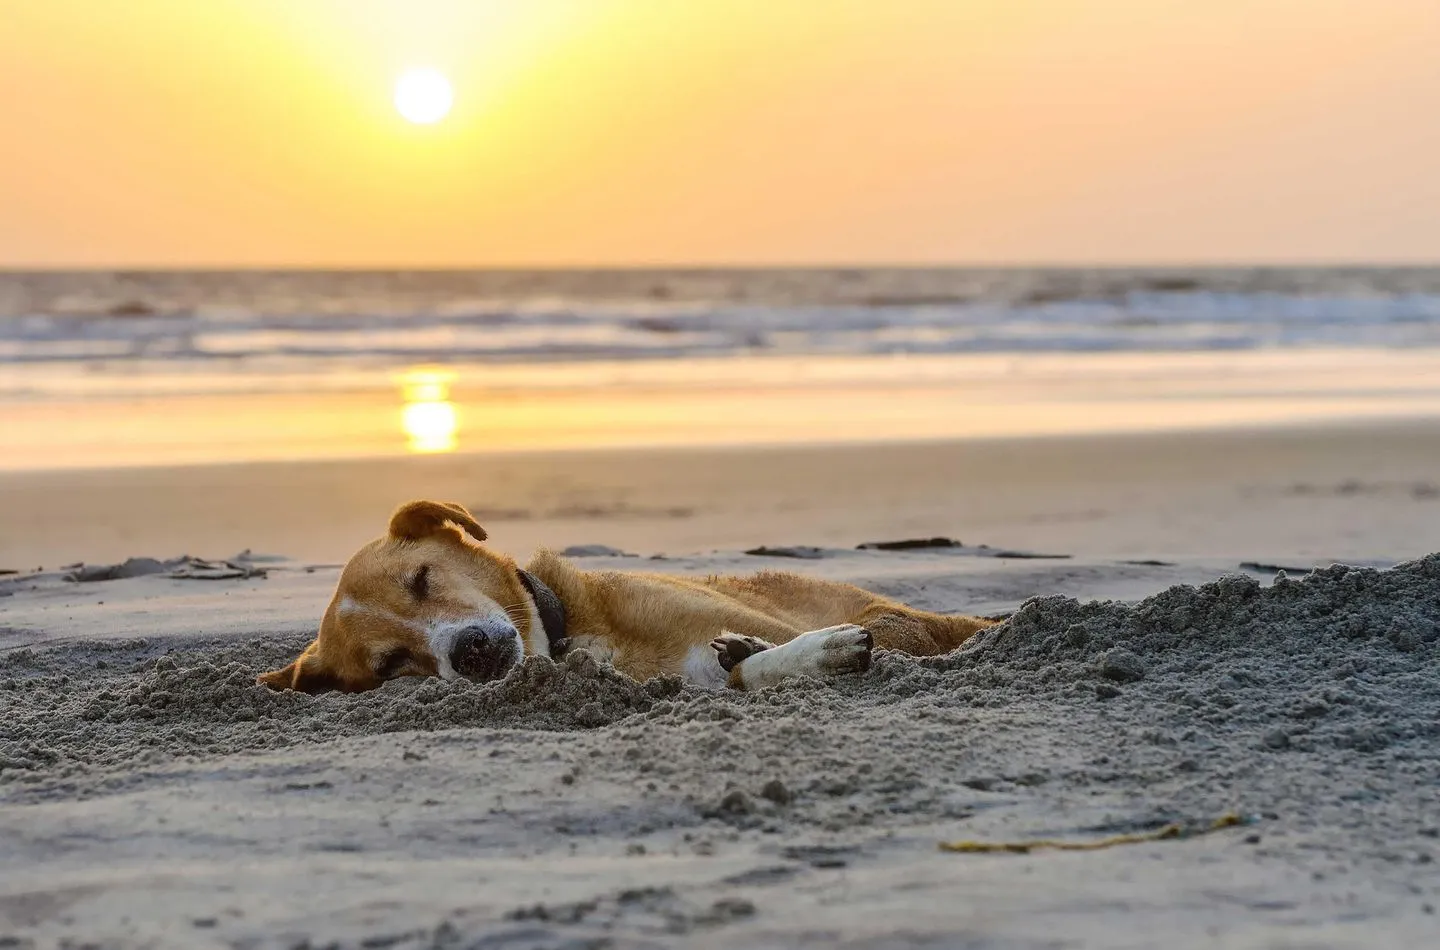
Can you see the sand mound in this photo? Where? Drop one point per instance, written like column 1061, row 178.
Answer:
column 75, row 710
column 1345, row 658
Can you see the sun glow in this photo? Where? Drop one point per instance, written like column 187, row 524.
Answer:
column 423, row 96
column 429, row 418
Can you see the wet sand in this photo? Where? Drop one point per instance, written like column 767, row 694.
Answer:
column 1347, row 492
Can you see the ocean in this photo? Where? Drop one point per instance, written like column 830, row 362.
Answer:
column 74, row 331
column 122, row 369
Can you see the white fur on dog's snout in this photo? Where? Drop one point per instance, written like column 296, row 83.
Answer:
column 442, row 637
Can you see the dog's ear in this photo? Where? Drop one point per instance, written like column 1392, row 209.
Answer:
column 420, row 519
column 306, row 674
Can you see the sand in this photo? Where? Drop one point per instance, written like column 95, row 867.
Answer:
column 1343, row 492
column 152, row 796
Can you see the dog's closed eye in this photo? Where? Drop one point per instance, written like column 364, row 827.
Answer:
column 392, row 662
column 419, row 585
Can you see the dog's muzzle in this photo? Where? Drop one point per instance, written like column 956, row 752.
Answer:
column 486, row 651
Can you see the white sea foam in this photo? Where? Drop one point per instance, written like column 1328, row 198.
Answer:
column 325, row 322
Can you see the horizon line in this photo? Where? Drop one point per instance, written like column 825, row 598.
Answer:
column 7, row 269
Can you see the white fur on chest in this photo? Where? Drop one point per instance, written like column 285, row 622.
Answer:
column 703, row 669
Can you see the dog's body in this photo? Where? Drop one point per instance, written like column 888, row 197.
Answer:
column 429, row 599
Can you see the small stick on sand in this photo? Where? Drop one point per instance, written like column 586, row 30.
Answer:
column 1172, row 830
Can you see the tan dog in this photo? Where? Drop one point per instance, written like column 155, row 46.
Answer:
column 429, row 599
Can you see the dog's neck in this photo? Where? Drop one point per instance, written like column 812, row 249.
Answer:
column 550, row 611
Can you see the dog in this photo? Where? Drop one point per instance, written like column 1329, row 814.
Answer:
column 430, row 599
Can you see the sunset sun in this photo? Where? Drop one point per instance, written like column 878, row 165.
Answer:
column 423, row 96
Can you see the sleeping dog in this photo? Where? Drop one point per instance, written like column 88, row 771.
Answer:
column 429, row 599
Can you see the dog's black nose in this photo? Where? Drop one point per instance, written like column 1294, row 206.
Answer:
column 474, row 638
column 485, row 651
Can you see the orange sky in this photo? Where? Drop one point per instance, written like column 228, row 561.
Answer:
column 261, row 132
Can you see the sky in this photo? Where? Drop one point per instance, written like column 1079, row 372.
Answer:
column 262, row 133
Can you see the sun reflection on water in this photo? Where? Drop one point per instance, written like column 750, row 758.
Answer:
column 429, row 419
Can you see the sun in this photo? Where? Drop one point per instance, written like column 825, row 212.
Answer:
column 423, row 96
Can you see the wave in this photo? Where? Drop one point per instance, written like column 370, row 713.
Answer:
column 345, row 319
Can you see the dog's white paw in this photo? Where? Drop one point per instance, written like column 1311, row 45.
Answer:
column 843, row 649
column 821, row 653
column 734, row 648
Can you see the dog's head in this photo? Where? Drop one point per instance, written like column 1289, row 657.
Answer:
column 425, row 600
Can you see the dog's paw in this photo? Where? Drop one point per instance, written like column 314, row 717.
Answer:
column 844, row 649
column 831, row 651
column 731, row 648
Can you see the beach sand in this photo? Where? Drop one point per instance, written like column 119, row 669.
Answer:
column 151, row 795
column 1323, row 492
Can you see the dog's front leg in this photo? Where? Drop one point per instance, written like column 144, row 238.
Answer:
column 752, row 663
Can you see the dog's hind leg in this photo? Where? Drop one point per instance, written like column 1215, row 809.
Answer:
column 917, row 632
column 753, row 663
